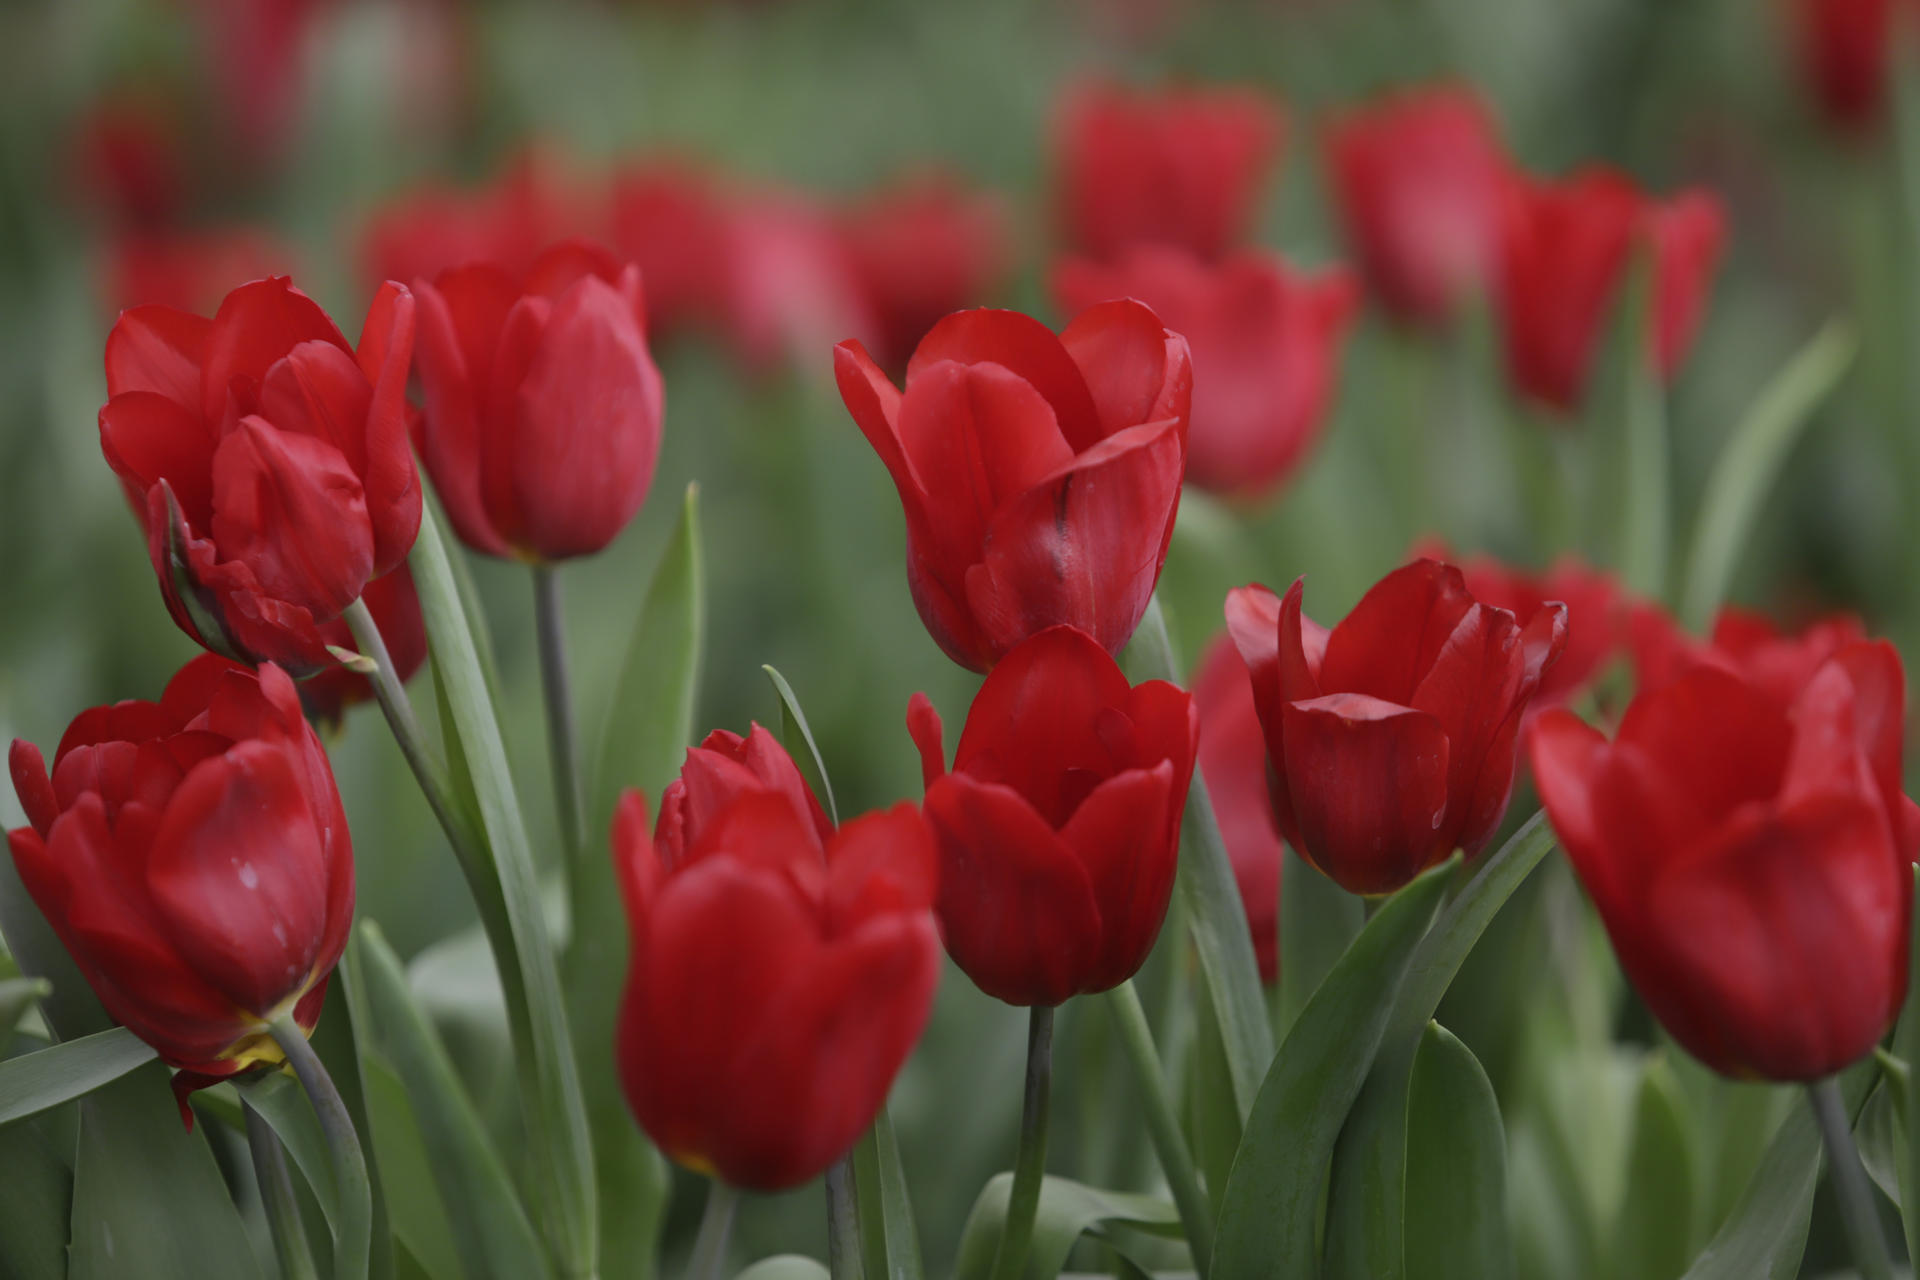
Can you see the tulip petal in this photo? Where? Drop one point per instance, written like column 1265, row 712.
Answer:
column 1386, row 645
column 158, row 349
column 460, row 318
column 1028, row 349
column 1714, row 740
column 1567, row 755
column 256, row 325
column 147, row 437
column 1122, row 836
column 878, row 864
column 32, row 786
column 1135, row 370
column 1475, row 689
column 874, row 403
column 317, row 390
column 391, row 479
column 1879, row 715
column 929, row 737
column 635, row 862
column 291, row 509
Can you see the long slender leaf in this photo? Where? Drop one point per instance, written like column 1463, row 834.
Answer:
column 1068, row 1210
column 1318, row 919
column 1269, row 1215
column 1653, row 1236
column 36, row 1206
column 1906, row 1042
column 16, row 996
column 1456, row 1227
column 421, row 1230
column 62, row 1072
column 285, row 1108
column 889, row 1241
column 796, row 734
column 338, row 1038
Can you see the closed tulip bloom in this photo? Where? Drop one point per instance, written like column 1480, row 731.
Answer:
column 1059, row 824
column 1596, row 605
column 1390, row 739
column 193, row 858
column 268, row 459
column 1040, row 475
column 1747, row 644
column 1843, row 49
column 1751, row 862
column 1417, row 179
column 780, row 970
column 1266, row 341
column 543, row 405
column 1233, row 760
column 1178, row 166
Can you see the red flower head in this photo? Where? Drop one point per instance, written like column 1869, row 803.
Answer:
column 269, row 460
column 1843, row 51
column 671, row 218
column 1233, row 760
column 790, row 287
column 1059, row 827
column 189, row 270
column 1266, row 351
column 918, row 250
column 1183, row 167
column 1750, row 861
column 396, row 611
column 1040, row 474
column 543, row 404
column 1565, row 252
column 193, row 858
column 1417, row 179
column 129, row 160
column 781, row 970
column 1390, row 739
column 1596, row 613
column 526, row 207
column 1748, row 645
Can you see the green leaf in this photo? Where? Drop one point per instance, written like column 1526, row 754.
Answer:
column 1270, row 1213
column 70, row 1008
column 339, row 1038
column 1317, row 920
column 281, row 1103
column 1653, row 1236
column 1751, row 459
column 1213, row 1124
column 420, row 1225
column 1068, row 1210
column 558, row 1141
column 62, row 1072
column 16, row 996
column 785, row 1266
column 794, row 735
column 1456, row 1226
column 36, row 1206
column 889, row 1242
column 1906, row 1043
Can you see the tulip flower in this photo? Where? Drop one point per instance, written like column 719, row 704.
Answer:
column 1418, row 179
column 508, row 221
column 1040, row 475
column 188, row 270
column 193, row 858
column 268, row 459
column 1390, row 739
column 1185, row 167
column 1059, row 824
column 395, row 607
column 780, row 971
column 1751, row 861
column 1233, row 761
column 542, row 421
column 1747, row 644
column 1843, row 48
column 1565, row 250
column 672, row 218
column 1266, row 343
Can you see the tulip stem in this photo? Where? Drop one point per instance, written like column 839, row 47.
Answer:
column 1850, row 1187
column 277, row 1198
column 550, row 621
column 1030, row 1166
column 843, row 1221
column 1176, row 1161
column 709, row 1258
column 353, row 1233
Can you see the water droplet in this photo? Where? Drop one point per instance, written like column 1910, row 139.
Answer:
column 248, row 876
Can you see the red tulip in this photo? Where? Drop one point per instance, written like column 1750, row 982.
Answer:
column 1565, row 252
column 1390, row 739
column 194, row 860
column 1233, row 761
column 790, row 288
column 1059, row 826
column 1040, row 474
column 1844, row 47
column 1184, row 167
column 269, row 461
column 1595, row 604
column 189, row 270
column 395, row 607
column 1746, row 644
column 1418, row 181
column 1266, row 351
column 507, row 222
column 1750, row 861
column 673, row 219
column 128, row 156
column 543, row 404
column 780, row 971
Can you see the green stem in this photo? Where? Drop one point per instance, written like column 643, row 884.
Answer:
column 550, row 621
column 1030, row 1166
column 1176, row 1161
column 843, row 1222
column 709, row 1258
column 353, row 1233
column 1850, row 1187
column 277, row 1198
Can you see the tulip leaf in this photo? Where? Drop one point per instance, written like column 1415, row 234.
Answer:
column 1212, row 1122
column 339, row 1038
column 785, row 1266
column 1653, row 1235
column 1906, row 1043
column 1456, row 1188
column 1748, row 463
column 889, row 1241
column 558, row 1140
column 1067, row 1211
column 1269, row 1215
column 1317, row 920
column 794, row 734
column 37, row 1204
column 62, row 1072
column 420, row 1224
column 17, row 995
column 280, row 1102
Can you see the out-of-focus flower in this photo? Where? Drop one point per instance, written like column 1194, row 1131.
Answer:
column 780, row 972
column 1233, row 760
column 1059, row 826
column 1040, row 474
column 1185, row 167
column 673, row 218
column 1390, row 739
column 507, row 222
column 1747, row 644
column 1266, row 343
column 395, row 607
column 790, row 290
column 1751, row 861
column 1417, row 179
column 259, row 49
column 189, row 270
column 1843, row 48
column 543, row 405
column 129, row 160
column 1565, row 252
column 193, row 858
column 268, row 459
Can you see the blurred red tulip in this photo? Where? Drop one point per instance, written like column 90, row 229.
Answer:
column 508, row 222
column 790, row 288
column 1184, row 167
column 1747, row 644
column 671, row 218
column 780, row 972
column 1266, row 343
column 1844, row 48
column 129, row 157
column 258, row 52
column 1059, row 826
column 1233, row 760
column 395, row 607
column 189, row 270
column 1390, row 739
column 1750, row 861
column 1596, row 613
column 543, row 405
column 268, row 459
column 1417, row 179
column 194, row 860
column 1040, row 474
